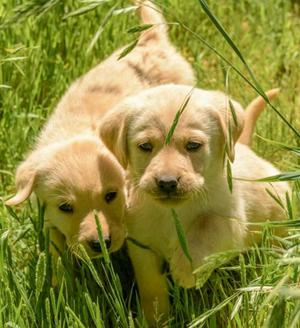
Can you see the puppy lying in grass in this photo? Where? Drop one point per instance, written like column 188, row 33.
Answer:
column 187, row 174
column 70, row 170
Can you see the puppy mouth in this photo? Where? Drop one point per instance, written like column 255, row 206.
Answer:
column 96, row 255
column 169, row 198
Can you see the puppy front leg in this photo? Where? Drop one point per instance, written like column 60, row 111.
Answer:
column 209, row 235
column 152, row 284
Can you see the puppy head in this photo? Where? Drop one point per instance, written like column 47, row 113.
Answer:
column 136, row 130
column 73, row 179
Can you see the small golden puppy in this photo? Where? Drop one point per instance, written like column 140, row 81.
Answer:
column 70, row 170
column 187, row 174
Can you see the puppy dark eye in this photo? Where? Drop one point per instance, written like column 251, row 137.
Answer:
column 193, row 146
column 147, row 147
column 110, row 196
column 66, row 207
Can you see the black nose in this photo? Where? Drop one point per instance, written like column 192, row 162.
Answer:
column 107, row 242
column 96, row 246
column 167, row 184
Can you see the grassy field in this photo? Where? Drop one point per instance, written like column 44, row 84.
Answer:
column 43, row 48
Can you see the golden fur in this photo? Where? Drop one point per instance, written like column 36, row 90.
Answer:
column 69, row 169
column 189, row 175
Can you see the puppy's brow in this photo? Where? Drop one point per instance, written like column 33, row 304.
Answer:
column 194, row 125
column 152, row 123
column 61, row 195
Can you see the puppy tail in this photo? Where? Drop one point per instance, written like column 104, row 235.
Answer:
column 151, row 14
column 252, row 112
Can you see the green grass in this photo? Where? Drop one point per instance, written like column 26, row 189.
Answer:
column 41, row 53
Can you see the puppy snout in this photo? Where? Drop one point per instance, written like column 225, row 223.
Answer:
column 96, row 246
column 167, row 184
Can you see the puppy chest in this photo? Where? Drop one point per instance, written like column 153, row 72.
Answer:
column 155, row 231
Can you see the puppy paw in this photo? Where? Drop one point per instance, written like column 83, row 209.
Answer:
column 182, row 270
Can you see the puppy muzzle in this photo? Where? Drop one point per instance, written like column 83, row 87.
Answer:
column 167, row 184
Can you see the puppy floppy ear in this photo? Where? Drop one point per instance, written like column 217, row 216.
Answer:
column 26, row 177
column 113, row 131
column 231, row 120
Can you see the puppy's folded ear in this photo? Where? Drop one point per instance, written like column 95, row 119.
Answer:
column 231, row 120
column 26, row 178
column 113, row 130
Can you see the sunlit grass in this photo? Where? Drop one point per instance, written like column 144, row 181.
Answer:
column 44, row 46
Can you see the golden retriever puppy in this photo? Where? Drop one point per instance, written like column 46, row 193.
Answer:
column 70, row 170
column 188, row 174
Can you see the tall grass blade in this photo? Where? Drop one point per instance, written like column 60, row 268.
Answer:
column 101, row 239
column 222, row 30
column 128, row 49
column 181, row 235
column 229, row 175
column 276, row 198
column 85, row 9
column 294, row 322
column 277, row 315
column 281, row 145
column 28, row 9
column 101, row 28
column 139, row 28
column 48, row 312
column 255, row 83
column 40, row 274
column 177, row 117
column 285, row 176
column 75, row 317
column 211, row 263
column 203, row 317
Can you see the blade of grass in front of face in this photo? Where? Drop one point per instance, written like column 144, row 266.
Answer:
column 231, row 107
column 101, row 239
column 177, row 117
column 84, row 257
column 229, row 144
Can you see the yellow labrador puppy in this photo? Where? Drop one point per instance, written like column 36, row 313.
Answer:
column 187, row 174
column 69, row 169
